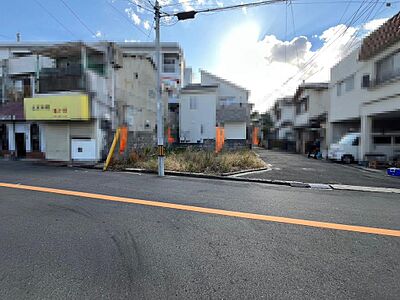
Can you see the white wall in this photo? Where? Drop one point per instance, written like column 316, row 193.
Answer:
column 235, row 130
column 225, row 89
column 27, row 64
column 348, row 105
column 301, row 119
column 191, row 120
column 287, row 113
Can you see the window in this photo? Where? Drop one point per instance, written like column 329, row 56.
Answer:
column 136, row 75
column 169, row 62
column 397, row 139
column 356, row 142
column 339, row 89
column 302, row 106
column 365, row 83
column 35, row 140
column 382, row 140
column 349, row 83
column 388, row 68
column 3, row 137
column 193, row 103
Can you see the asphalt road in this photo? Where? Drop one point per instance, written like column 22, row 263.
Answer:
column 55, row 246
column 296, row 167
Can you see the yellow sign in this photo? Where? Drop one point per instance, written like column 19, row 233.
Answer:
column 57, row 107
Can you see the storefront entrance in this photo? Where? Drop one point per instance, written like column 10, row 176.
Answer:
column 20, row 146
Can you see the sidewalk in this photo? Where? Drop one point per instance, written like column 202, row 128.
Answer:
column 296, row 167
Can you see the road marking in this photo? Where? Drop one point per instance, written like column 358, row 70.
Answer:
column 213, row 211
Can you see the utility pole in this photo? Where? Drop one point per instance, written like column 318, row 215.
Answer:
column 160, row 111
column 181, row 16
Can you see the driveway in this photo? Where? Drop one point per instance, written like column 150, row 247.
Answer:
column 296, row 167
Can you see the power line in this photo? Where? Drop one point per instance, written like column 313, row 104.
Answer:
column 224, row 8
column 54, row 18
column 78, row 18
column 294, row 31
column 306, row 68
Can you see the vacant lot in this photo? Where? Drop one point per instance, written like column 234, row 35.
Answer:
column 196, row 161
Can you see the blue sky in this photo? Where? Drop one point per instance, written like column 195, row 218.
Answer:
column 210, row 41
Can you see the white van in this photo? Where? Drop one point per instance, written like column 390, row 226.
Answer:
column 346, row 150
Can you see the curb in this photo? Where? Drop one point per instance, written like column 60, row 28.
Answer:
column 296, row 184
column 210, row 176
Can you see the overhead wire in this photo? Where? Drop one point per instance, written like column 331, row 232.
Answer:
column 294, row 32
column 347, row 46
column 55, row 18
column 79, row 19
column 330, row 42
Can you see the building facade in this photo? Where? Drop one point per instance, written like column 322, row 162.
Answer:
column 365, row 93
column 283, row 116
column 311, row 103
column 233, row 109
column 197, row 118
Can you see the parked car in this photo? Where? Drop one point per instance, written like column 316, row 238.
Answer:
column 347, row 149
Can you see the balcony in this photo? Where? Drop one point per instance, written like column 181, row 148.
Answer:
column 238, row 112
column 61, row 79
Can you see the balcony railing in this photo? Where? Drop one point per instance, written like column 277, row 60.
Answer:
column 61, row 79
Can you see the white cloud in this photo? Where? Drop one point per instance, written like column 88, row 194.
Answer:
column 186, row 5
column 134, row 17
column 374, row 24
column 98, row 34
column 263, row 66
column 244, row 9
column 146, row 25
column 164, row 2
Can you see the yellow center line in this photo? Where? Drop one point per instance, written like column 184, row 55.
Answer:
column 213, row 211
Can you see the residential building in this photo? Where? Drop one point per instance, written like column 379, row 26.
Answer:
column 215, row 102
column 232, row 110
column 365, row 93
column 117, row 80
column 197, row 118
column 136, row 93
column 172, row 76
column 282, row 114
column 18, row 69
column 311, row 103
column 75, row 104
column 66, row 109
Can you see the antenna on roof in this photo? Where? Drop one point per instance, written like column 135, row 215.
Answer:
column 18, row 37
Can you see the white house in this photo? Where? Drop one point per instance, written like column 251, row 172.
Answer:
column 233, row 109
column 365, row 93
column 197, row 118
column 311, row 102
column 282, row 115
